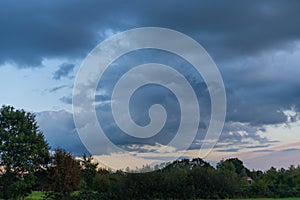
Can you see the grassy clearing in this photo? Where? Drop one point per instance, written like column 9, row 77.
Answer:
column 35, row 195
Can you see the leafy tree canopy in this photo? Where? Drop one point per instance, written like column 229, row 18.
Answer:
column 23, row 150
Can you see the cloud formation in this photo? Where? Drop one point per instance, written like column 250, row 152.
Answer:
column 55, row 89
column 71, row 29
column 64, row 70
column 59, row 130
column 256, row 46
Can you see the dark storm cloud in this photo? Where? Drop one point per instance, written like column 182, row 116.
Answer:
column 33, row 30
column 64, row 70
column 237, row 34
column 260, row 89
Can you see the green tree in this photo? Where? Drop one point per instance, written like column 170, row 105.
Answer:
column 102, row 182
column 88, row 172
column 202, row 176
column 64, row 175
column 270, row 178
column 239, row 167
column 227, row 179
column 174, row 180
column 23, row 151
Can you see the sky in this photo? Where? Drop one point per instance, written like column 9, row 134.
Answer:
column 254, row 44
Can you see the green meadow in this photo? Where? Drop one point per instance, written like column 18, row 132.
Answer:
column 37, row 195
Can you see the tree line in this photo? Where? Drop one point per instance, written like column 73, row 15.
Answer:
column 26, row 165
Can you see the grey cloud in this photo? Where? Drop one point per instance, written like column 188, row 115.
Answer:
column 232, row 30
column 49, row 30
column 290, row 149
column 63, row 71
column 264, row 150
column 258, row 146
column 229, row 150
column 250, row 106
column 261, row 88
column 71, row 29
column 241, row 135
column 59, row 130
column 57, row 88
column 242, row 37
column 66, row 99
column 146, row 96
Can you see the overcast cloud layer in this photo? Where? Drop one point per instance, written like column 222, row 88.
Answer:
column 255, row 44
column 34, row 30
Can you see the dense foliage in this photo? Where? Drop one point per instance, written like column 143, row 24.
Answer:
column 25, row 165
column 187, row 179
column 63, row 175
column 23, row 151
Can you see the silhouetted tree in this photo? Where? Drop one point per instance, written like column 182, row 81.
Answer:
column 23, row 151
column 88, row 172
column 64, row 175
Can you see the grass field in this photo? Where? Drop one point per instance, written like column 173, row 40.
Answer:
column 37, row 195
